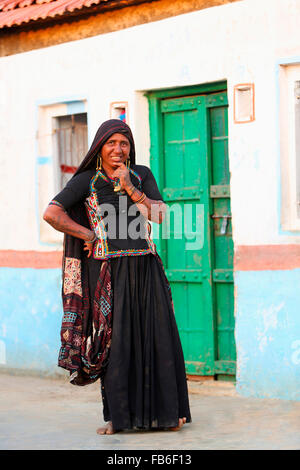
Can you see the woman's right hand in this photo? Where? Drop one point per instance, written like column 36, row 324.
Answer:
column 61, row 221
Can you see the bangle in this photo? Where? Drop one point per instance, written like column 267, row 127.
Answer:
column 133, row 191
column 141, row 199
column 92, row 241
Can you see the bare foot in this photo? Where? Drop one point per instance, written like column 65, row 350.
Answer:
column 107, row 429
column 181, row 422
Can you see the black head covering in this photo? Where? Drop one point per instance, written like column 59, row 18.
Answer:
column 105, row 131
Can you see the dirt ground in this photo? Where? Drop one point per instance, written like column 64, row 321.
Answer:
column 42, row 413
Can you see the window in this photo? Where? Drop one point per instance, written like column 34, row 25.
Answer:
column 70, row 133
column 62, row 142
column 289, row 83
column 297, row 141
column 119, row 110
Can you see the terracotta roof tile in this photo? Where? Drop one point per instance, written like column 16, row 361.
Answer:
column 16, row 12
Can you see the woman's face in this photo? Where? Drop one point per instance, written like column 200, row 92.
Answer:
column 115, row 150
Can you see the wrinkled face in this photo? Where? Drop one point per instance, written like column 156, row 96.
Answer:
column 115, row 150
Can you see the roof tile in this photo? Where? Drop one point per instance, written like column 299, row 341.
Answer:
column 16, row 12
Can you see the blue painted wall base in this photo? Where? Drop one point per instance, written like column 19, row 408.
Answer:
column 267, row 327
column 30, row 318
column 268, row 333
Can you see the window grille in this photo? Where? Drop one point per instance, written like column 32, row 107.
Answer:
column 72, row 144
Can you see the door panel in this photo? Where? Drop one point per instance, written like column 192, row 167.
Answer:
column 196, row 244
column 187, row 249
column 221, row 235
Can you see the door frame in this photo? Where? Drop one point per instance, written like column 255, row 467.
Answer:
column 156, row 132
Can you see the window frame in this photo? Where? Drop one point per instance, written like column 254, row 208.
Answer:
column 47, row 161
column 288, row 74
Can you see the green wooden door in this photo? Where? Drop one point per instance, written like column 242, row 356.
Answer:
column 195, row 245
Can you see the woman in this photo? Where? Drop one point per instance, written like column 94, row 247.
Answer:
column 118, row 322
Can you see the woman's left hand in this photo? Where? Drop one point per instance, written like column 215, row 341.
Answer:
column 122, row 174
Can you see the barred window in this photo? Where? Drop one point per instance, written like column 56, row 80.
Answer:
column 72, row 144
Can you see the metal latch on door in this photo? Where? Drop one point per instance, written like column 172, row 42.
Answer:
column 225, row 218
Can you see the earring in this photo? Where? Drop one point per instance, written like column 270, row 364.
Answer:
column 99, row 163
column 127, row 163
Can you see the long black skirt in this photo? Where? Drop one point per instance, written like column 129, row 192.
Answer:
column 144, row 385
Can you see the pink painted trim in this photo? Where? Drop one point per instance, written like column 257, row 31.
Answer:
column 30, row 259
column 266, row 257
column 247, row 258
column 235, row 89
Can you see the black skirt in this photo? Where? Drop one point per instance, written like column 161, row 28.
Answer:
column 144, row 385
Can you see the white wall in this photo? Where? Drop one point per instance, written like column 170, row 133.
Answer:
column 240, row 42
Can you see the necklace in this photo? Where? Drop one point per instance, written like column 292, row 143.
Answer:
column 114, row 181
column 116, row 184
